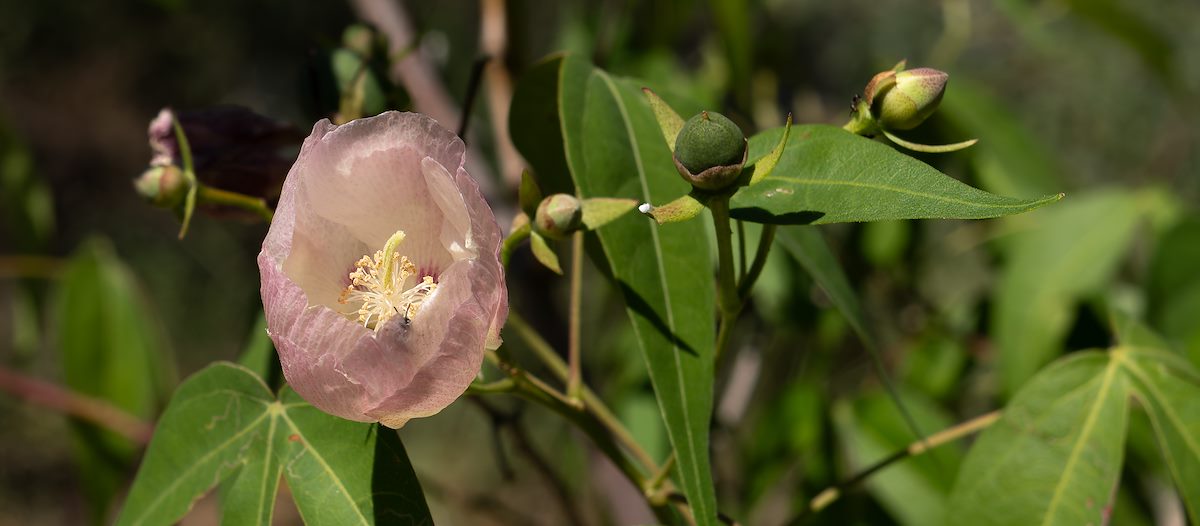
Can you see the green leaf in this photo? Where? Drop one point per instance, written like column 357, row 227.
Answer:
column 537, row 126
column 1132, row 333
column 915, row 490
column 806, row 245
column 1074, row 250
column 224, row 424
column 1054, row 456
column 1168, row 388
column 258, row 355
column 112, row 349
column 1129, row 27
column 610, row 143
column 829, row 175
column 1174, row 286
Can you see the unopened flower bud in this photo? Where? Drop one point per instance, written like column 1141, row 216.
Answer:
column 558, row 215
column 911, row 99
column 163, row 186
column 232, row 147
column 710, row 151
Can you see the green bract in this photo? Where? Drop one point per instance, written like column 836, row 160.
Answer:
column 710, row 151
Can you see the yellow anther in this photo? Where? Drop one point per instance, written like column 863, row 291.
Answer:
column 379, row 283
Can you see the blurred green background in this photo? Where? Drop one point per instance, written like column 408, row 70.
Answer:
column 1095, row 98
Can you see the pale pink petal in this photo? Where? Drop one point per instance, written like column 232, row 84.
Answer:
column 352, row 187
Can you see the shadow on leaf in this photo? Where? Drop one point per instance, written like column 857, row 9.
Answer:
column 642, row 307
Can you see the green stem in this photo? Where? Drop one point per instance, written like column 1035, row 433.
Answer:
column 729, row 305
column 529, row 387
column 595, row 430
column 499, row 386
column 653, row 485
column 215, row 196
column 760, row 261
column 727, row 297
column 546, row 354
column 573, row 329
column 514, row 239
column 831, row 494
column 741, row 228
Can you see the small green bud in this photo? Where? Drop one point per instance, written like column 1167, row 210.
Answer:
column 558, row 215
column 707, row 140
column 710, row 151
column 910, row 99
column 163, row 186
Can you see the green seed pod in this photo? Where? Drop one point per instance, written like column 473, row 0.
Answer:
column 910, row 99
column 710, row 151
column 558, row 215
column 163, row 186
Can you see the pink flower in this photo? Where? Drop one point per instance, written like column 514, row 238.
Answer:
column 380, row 274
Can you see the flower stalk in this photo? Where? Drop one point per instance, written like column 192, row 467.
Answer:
column 574, row 373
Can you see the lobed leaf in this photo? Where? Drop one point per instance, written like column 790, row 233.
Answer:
column 223, row 424
column 1054, row 456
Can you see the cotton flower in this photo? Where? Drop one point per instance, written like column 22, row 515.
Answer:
column 380, row 273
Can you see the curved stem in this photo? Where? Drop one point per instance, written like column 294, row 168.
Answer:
column 519, row 234
column 760, row 261
column 529, row 387
column 216, row 196
column 831, row 494
column 591, row 402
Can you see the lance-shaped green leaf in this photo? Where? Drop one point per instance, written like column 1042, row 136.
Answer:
column 665, row 273
column 612, row 145
column 1168, row 387
column 829, row 175
column 1054, row 457
column 224, row 424
column 808, row 248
